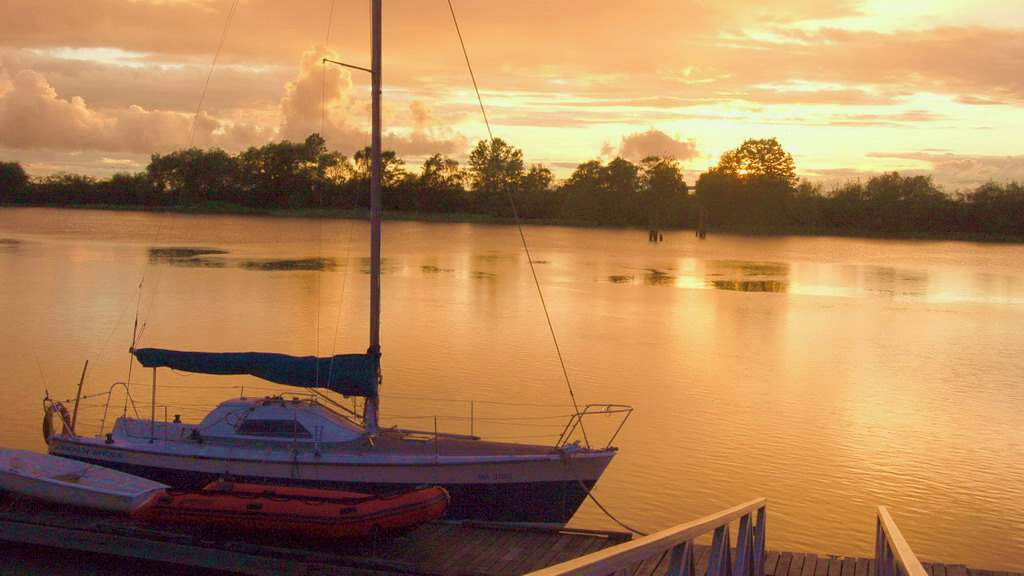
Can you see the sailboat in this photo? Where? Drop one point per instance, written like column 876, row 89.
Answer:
column 307, row 442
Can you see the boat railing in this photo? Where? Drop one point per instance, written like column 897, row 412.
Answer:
column 893, row 556
column 678, row 545
column 591, row 411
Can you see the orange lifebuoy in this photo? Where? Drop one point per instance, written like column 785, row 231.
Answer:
column 65, row 419
column 47, row 423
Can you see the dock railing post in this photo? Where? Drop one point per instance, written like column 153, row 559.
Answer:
column 719, row 563
column 680, row 561
column 893, row 556
column 678, row 543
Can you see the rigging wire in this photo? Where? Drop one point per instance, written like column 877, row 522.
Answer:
column 216, row 56
column 320, row 190
column 536, row 280
column 519, row 226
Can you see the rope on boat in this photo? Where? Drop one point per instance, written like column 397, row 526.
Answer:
column 590, row 494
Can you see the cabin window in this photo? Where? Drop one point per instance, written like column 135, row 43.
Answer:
column 273, row 429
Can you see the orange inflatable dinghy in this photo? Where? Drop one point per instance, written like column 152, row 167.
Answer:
column 296, row 511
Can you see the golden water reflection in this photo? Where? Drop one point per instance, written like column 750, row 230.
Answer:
column 828, row 374
column 846, row 280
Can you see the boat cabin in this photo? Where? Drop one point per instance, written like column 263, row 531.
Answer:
column 249, row 419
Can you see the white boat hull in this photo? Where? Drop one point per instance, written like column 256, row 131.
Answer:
column 64, row 481
column 539, row 488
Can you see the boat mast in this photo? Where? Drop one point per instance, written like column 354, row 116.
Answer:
column 371, row 410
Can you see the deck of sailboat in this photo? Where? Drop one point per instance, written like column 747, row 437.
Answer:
column 424, row 444
column 386, row 443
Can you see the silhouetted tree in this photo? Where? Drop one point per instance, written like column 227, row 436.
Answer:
column 13, row 182
column 535, row 197
column 753, row 188
column 289, row 174
column 750, row 185
column 996, row 208
column 64, row 189
column 393, row 175
column 603, row 194
column 807, row 206
column 440, row 185
column 759, row 158
column 495, row 170
column 126, row 189
column 193, row 176
column 723, row 196
column 899, row 204
column 662, row 191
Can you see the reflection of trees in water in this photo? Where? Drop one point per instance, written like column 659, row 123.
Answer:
column 739, row 275
column 188, row 257
column 749, row 285
column 303, row 264
column 387, row 266
column 430, row 270
column 201, row 258
column 748, row 276
column 653, row 277
column 495, row 257
column 750, row 268
column 891, row 282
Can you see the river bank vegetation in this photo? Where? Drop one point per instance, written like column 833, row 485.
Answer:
column 753, row 189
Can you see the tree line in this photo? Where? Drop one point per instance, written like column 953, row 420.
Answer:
column 753, row 188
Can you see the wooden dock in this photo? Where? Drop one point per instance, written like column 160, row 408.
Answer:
column 444, row 548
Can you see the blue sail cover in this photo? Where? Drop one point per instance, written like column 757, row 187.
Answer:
column 348, row 374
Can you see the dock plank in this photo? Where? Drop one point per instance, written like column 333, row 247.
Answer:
column 499, row 546
column 835, row 566
column 517, row 554
column 810, row 565
column 849, row 566
column 785, row 561
column 863, row 566
column 799, row 562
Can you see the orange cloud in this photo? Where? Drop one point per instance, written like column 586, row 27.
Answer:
column 32, row 116
column 653, row 142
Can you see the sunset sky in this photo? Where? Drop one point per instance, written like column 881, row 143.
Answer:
column 851, row 88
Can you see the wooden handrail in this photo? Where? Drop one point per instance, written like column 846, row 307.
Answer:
column 679, row 540
column 893, row 556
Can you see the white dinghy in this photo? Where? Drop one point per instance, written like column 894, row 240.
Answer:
column 65, row 481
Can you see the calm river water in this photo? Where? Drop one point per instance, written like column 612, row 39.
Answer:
column 830, row 375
